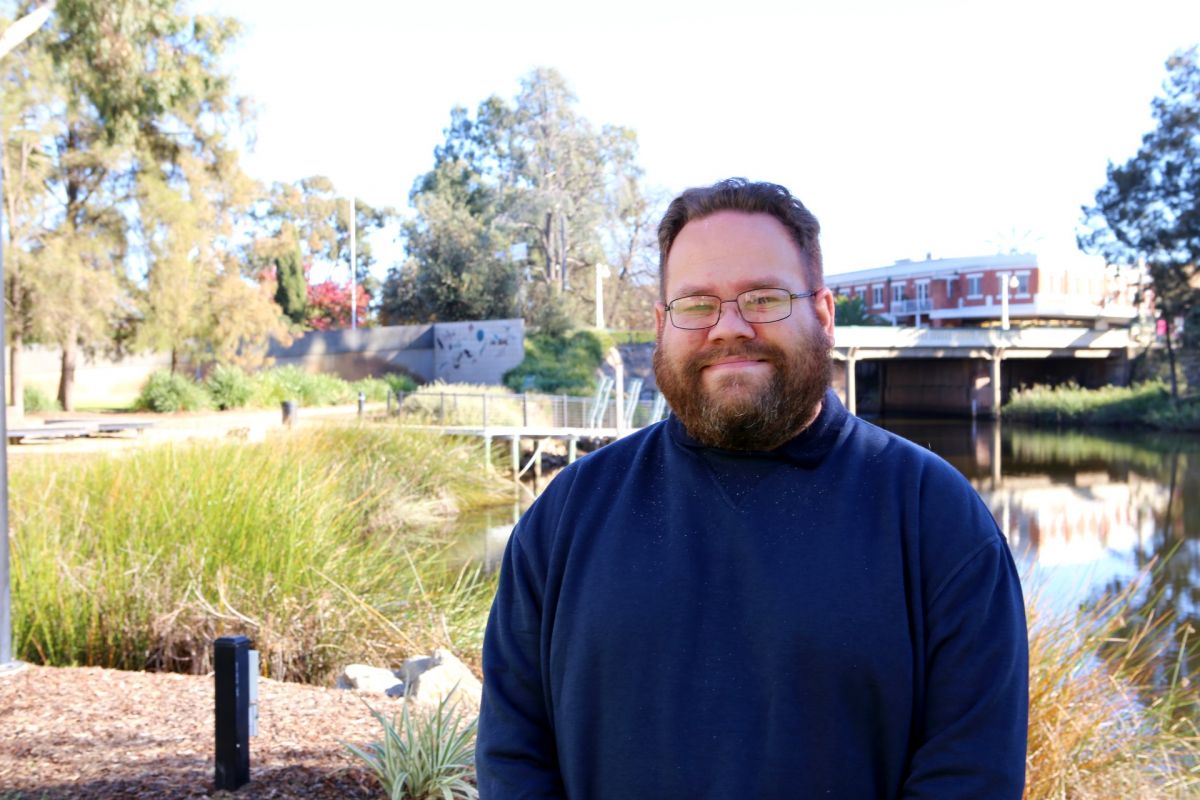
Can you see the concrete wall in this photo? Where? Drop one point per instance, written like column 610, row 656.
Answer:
column 99, row 381
column 455, row 352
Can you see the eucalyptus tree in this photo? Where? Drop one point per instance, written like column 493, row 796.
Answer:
column 522, row 203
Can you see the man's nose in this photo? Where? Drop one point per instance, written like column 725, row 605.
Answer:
column 731, row 324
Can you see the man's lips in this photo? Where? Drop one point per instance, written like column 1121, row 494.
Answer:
column 734, row 363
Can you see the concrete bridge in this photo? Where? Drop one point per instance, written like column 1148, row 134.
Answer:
column 969, row 371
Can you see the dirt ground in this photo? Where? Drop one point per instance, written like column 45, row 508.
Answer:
column 99, row 733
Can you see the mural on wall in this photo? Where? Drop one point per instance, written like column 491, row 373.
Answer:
column 477, row 352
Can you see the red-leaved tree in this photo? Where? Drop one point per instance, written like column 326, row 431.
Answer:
column 329, row 305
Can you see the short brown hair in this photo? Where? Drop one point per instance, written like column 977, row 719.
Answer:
column 739, row 194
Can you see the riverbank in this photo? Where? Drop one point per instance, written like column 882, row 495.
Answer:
column 1146, row 405
column 322, row 544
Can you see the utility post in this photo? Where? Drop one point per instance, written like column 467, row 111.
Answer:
column 13, row 35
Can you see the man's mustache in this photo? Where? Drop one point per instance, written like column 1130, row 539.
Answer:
column 751, row 351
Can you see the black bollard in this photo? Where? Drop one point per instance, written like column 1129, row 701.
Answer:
column 362, row 402
column 289, row 412
column 231, row 665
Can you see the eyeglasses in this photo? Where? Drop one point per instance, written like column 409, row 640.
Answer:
column 698, row 311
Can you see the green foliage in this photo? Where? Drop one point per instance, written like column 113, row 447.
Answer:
column 167, row 392
column 291, row 289
column 36, row 400
column 229, row 387
column 427, row 759
column 849, row 310
column 559, row 364
column 320, row 544
column 1147, row 211
column 528, row 188
column 1143, row 405
column 273, row 386
column 399, row 382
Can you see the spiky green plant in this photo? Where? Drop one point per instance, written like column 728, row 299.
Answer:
column 430, row 758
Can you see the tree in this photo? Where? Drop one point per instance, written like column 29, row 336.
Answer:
column 310, row 216
column 291, row 292
column 513, row 214
column 139, row 88
column 329, row 305
column 1148, row 212
column 849, row 310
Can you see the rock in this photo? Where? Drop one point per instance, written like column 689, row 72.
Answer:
column 431, row 679
column 371, row 679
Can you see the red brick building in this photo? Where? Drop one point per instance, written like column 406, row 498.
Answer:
column 957, row 292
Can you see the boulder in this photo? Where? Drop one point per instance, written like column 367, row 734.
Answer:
column 371, row 679
column 431, row 679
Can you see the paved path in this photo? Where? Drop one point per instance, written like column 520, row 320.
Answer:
column 247, row 425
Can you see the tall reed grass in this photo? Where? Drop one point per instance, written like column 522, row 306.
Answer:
column 315, row 543
column 1112, row 715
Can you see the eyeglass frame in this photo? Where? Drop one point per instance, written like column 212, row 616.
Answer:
column 721, row 309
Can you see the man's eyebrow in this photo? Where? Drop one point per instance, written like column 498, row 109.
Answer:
column 768, row 282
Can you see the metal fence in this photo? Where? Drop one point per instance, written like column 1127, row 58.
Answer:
column 528, row 410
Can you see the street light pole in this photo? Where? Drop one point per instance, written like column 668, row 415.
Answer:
column 353, row 277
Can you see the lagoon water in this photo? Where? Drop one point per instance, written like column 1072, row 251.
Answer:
column 1086, row 513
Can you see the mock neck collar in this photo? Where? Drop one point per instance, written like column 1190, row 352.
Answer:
column 807, row 448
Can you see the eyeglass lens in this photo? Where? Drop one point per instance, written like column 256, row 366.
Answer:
column 756, row 305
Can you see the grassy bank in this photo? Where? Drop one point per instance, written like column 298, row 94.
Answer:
column 1112, row 715
column 314, row 543
column 1143, row 405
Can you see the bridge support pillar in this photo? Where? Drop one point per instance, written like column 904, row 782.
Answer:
column 997, row 357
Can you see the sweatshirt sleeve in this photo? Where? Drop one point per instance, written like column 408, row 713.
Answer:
column 972, row 739
column 515, row 753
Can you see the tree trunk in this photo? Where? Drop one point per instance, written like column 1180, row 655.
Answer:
column 66, row 379
column 1171, row 361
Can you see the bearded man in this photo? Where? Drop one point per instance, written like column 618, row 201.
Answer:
column 762, row 596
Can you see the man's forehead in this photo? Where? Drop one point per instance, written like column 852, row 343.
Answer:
column 749, row 248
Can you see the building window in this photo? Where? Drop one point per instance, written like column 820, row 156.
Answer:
column 922, row 290
column 974, row 286
column 844, row 292
column 861, row 291
column 877, row 296
column 897, row 292
column 1022, row 289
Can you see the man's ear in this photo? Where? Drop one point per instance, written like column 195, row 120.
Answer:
column 660, row 318
column 824, row 305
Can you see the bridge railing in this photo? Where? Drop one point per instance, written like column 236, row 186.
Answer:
column 527, row 410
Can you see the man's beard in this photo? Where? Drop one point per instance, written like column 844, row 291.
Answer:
column 738, row 415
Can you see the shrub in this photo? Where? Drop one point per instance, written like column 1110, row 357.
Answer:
column 560, row 364
column 229, row 387
column 423, row 760
column 273, row 386
column 166, row 392
column 36, row 400
column 1070, row 404
column 399, row 382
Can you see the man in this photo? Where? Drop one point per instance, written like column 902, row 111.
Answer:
column 763, row 596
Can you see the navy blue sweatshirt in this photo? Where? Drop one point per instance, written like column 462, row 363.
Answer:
column 837, row 618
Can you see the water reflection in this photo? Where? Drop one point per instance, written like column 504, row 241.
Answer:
column 1087, row 513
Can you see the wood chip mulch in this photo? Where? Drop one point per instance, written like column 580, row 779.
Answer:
column 101, row 733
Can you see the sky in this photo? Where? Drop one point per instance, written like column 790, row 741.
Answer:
column 944, row 128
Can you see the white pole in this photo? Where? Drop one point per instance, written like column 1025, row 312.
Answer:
column 16, row 33
column 1003, row 276
column 353, row 277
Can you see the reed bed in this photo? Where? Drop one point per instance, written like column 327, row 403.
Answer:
column 1112, row 714
column 322, row 545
